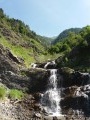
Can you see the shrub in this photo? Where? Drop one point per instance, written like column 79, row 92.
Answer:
column 2, row 92
column 16, row 94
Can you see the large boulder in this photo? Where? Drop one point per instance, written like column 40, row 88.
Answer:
column 47, row 65
column 32, row 80
column 6, row 61
column 14, row 75
column 72, row 78
column 38, row 79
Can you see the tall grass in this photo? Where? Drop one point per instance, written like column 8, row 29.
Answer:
column 2, row 92
column 16, row 94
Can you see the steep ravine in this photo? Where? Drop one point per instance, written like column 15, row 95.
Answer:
column 74, row 88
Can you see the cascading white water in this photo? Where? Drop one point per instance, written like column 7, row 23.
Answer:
column 33, row 65
column 51, row 98
column 46, row 65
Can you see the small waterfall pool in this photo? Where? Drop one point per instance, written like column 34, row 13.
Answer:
column 51, row 98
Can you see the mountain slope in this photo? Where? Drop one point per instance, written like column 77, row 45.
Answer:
column 20, row 40
column 65, row 34
column 79, row 56
column 45, row 40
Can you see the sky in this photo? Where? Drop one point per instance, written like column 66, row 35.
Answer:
column 49, row 17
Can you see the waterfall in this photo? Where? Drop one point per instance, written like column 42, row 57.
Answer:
column 51, row 98
column 46, row 65
column 52, row 64
column 33, row 65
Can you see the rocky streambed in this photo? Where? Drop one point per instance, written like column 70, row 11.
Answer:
column 12, row 111
column 28, row 109
column 75, row 94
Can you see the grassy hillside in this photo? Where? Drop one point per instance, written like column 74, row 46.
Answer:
column 22, row 42
column 72, row 49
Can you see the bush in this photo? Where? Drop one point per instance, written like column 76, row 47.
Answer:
column 2, row 92
column 16, row 94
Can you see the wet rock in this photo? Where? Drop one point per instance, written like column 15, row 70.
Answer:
column 13, row 74
column 41, row 65
column 37, row 107
column 50, row 65
column 33, row 65
column 47, row 65
column 37, row 96
column 72, row 78
column 39, row 79
column 66, row 70
column 37, row 115
column 55, row 118
column 44, row 112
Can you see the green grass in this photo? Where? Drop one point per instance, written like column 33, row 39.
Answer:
column 16, row 94
column 2, row 92
column 27, row 54
column 43, row 58
column 12, row 93
column 19, row 51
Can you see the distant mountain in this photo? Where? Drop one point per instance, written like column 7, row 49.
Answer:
column 65, row 34
column 46, row 40
column 54, row 37
column 26, row 46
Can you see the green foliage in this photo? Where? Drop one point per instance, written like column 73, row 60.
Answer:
column 2, row 92
column 76, row 49
column 83, row 43
column 85, row 31
column 86, row 34
column 26, row 44
column 46, row 41
column 16, row 94
column 21, row 41
column 1, row 13
column 67, row 44
column 63, row 35
column 65, row 47
column 13, row 93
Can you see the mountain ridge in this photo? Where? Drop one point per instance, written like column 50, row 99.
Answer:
column 29, row 47
column 65, row 33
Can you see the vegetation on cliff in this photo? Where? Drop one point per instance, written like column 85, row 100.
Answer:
column 19, row 47
column 75, row 51
column 70, row 48
column 23, row 42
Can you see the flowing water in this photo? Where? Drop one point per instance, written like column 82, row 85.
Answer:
column 51, row 98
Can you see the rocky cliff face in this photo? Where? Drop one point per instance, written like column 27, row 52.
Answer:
column 75, row 92
column 74, row 85
column 14, row 74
